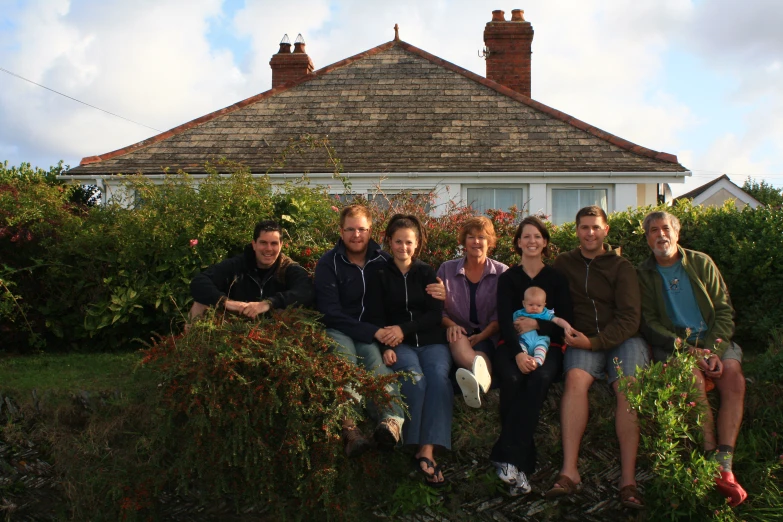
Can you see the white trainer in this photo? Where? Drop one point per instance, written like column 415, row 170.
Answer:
column 508, row 473
column 522, row 486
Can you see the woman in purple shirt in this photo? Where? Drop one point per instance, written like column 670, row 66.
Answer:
column 469, row 313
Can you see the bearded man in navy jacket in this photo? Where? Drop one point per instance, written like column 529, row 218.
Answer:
column 341, row 278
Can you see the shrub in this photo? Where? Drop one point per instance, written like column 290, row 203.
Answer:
column 102, row 278
column 35, row 213
column 253, row 410
column 664, row 396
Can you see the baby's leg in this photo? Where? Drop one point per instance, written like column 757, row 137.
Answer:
column 539, row 354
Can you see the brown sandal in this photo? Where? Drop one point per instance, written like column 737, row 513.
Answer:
column 627, row 493
column 562, row 487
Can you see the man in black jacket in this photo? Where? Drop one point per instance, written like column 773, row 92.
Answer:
column 341, row 284
column 256, row 281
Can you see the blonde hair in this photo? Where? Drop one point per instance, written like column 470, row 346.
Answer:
column 355, row 211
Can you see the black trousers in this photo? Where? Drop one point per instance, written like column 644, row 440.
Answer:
column 521, row 398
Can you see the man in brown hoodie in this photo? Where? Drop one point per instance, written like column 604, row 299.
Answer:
column 605, row 294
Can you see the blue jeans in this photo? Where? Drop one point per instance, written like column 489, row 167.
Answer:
column 429, row 396
column 369, row 355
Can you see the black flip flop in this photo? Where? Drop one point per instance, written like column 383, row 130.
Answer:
column 428, row 476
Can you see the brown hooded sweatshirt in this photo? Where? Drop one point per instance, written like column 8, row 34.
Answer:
column 605, row 294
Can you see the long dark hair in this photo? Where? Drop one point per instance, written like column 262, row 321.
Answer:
column 532, row 220
column 400, row 221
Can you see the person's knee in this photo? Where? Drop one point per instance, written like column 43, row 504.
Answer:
column 732, row 381
column 578, row 380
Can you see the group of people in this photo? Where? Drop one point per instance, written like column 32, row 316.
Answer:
column 519, row 328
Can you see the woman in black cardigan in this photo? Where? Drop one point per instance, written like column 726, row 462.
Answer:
column 523, row 385
column 415, row 342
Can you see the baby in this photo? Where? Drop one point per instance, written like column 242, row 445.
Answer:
column 535, row 307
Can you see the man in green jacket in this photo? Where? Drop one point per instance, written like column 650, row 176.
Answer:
column 684, row 298
column 605, row 296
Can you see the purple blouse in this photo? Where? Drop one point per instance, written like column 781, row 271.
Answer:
column 457, row 305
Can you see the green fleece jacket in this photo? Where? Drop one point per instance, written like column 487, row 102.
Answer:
column 605, row 294
column 711, row 295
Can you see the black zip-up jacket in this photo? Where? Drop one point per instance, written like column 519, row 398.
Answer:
column 341, row 291
column 407, row 304
column 238, row 279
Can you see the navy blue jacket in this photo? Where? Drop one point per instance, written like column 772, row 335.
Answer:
column 341, row 291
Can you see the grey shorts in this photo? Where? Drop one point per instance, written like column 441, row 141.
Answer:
column 732, row 352
column 631, row 354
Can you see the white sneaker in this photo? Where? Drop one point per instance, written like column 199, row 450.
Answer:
column 481, row 373
column 508, row 473
column 470, row 387
column 522, row 486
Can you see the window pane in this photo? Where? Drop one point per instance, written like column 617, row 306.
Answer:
column 481, row 199
column 589, row 197
column 565, row 204
column 384, row 201
column 506, row 198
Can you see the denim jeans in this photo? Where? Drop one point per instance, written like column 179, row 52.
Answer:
column 369, row 356
column 429, row 396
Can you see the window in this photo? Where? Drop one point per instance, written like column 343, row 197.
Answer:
column 567, row 202
column 383, row 200
column 483, row 199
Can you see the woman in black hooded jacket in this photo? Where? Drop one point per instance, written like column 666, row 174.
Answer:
column 415, row 342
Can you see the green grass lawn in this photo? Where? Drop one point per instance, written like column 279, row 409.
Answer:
column 68, row 372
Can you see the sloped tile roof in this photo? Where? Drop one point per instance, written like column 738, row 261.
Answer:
column 702, row 188
column 394, row 108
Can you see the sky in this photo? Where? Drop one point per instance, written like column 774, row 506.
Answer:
column 701, row 79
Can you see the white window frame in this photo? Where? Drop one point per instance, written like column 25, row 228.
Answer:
column 523, row 187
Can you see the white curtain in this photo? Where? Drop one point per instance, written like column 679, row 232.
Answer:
column 567, row 202
column 483, row 199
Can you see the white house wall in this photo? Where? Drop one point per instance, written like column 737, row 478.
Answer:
column 623, row 189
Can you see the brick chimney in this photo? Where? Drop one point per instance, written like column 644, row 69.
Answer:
column 508, row 50
column 287, row 65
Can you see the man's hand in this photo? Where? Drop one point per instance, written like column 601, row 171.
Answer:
column 475, row 339
column 253, row 310
column 711, row 365
column 455, row 333
column 525, row 363
column 525, row 324
column 578, row 340
column 389, row 357
column 437, row 290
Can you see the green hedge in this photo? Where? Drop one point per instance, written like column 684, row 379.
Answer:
column 104, row 277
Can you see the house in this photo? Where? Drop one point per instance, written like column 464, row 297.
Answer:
column 717, row 192
column 399, row 116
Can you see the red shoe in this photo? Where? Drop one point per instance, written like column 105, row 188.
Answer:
column 729, row 488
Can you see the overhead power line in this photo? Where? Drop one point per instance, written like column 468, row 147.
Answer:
column 74, row 99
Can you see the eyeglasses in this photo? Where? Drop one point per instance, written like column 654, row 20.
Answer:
column 351, row 230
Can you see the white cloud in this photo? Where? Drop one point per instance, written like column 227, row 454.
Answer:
column 603, row 62
column 149, row 61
